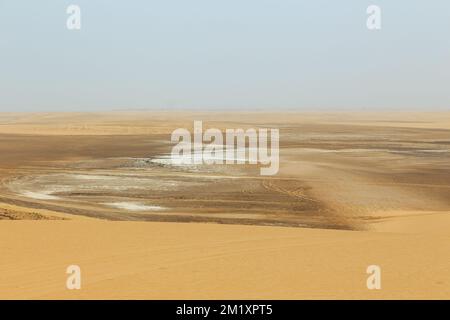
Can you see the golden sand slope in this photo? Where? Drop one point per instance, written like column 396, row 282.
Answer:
column 150, row 260
column 394, row 189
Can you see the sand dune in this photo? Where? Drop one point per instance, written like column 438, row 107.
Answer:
column 353, row 190
column 141, row 260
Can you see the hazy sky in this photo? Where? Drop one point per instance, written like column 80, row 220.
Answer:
column 239, row 54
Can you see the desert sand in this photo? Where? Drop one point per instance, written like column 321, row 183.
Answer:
column 353, row 190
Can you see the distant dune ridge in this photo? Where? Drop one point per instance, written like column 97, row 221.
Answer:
column 353, row 189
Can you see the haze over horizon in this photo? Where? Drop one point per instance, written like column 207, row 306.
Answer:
column 234, row 55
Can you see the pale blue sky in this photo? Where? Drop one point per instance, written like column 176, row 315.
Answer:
column 211, row 54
